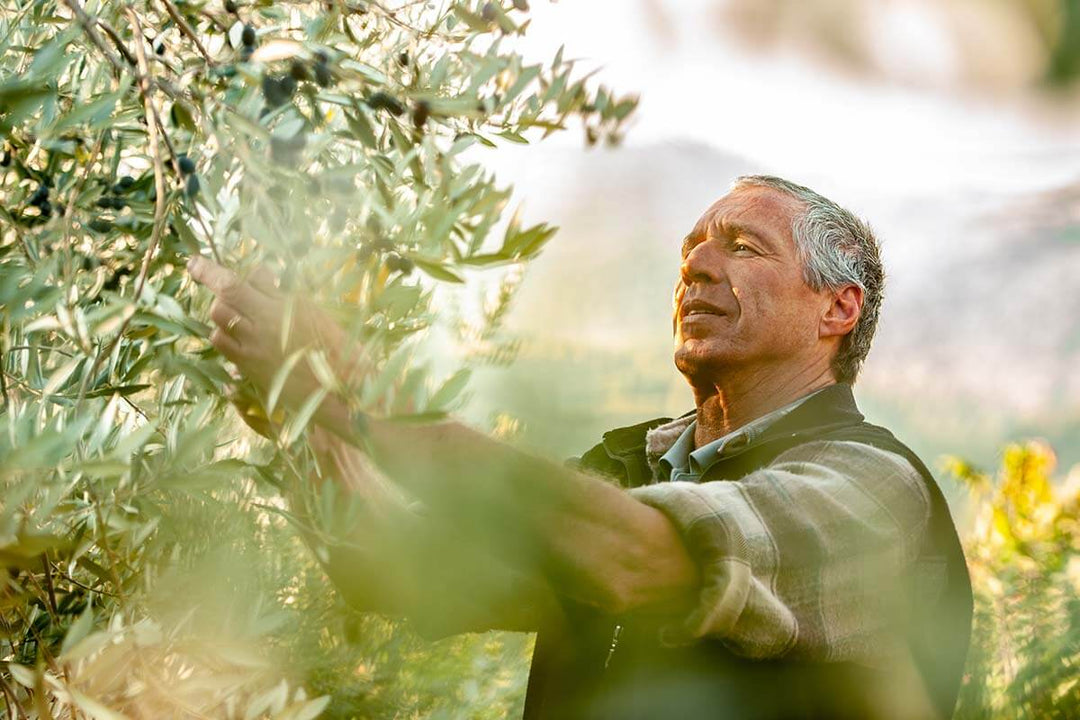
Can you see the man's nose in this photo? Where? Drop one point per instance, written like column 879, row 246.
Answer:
column 702, row 264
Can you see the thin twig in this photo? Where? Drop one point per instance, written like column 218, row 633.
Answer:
column 69, row 211
column 152, row 120
column 145, row 79
column 7, row 702
column 49, row 582
column 76, row 583
column 3, row 369
column 90, row 27
column 117, row 41
column 186, row 30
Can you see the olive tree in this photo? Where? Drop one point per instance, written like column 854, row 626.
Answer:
column 150, row 559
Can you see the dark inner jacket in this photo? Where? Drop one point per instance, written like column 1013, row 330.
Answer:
column 576, row 674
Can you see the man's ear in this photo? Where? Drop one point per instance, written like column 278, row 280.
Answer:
column 843, row 312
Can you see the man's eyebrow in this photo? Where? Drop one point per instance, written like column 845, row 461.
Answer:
column 724, row 228
column 734, row 229
column 688, row 244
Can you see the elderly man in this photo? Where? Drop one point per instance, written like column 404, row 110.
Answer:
column 769, row 554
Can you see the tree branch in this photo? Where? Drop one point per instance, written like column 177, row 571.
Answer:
column 185, row 28
column 90, row 27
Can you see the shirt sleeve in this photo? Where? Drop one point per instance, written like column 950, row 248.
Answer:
column 805, row 558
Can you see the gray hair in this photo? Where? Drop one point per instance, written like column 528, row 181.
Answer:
column 835, row 248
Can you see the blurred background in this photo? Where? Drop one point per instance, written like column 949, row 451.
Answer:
column 951, row 125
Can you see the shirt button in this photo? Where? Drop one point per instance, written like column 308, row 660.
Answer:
column 736, row 443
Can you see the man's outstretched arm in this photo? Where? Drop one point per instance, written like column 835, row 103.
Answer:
column 400, row 561
column 594, row 542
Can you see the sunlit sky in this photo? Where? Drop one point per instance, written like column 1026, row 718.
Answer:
column 792, row 115
column 946, row 169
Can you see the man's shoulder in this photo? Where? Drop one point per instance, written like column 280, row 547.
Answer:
column 866, row 437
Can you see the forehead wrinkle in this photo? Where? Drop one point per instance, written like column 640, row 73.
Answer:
column 722, row 221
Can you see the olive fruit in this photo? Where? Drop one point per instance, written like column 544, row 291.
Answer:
column 46, row 209
column 247, row 37
column 403, row 59
column 420, row 113
column 323, row 76
column 100, row 225
column 6, row 160
column 385, row 101
column 230, row 6
column 160, row 48
column 126, row 182
column 191, row 189
column 40, row 195
column 397, row 263
column 488, row 11
column 106, row 202
column 278, row 90
column 186, row 164
column 298, row 71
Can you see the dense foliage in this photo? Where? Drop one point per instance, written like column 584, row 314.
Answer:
column 1025, row 569
column 151, row 566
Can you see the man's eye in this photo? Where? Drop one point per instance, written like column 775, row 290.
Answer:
column 739, row 245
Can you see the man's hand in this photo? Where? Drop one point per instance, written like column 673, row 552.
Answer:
column 249, row 315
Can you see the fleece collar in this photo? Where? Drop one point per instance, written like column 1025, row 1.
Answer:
column 829, row 405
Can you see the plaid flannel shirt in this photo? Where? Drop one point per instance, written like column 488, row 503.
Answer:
column 868, row 508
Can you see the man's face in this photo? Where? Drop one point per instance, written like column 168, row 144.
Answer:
column 741, row 300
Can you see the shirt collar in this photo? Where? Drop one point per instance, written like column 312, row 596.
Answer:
column 682, row 457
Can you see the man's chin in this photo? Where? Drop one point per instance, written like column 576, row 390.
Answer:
column 694, row 358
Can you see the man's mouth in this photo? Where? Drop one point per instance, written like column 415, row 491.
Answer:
column 693, row 308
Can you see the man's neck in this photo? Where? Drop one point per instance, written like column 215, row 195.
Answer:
column 727, row 406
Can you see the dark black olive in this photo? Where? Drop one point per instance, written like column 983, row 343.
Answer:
column 105, row 202
column 160, row 48
column 187, row 165
column 403, row 59
column 247, row 37
column 46, row 209
column 191, row 189
column 288, row 84
column 230, row 6
column 40, row 195
column 385, row 101
column 278, row 90
column 397, row 263
column 100, row 225
column 420, row 113
column 126, row 182
column 298, row 71
column 323, row 76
